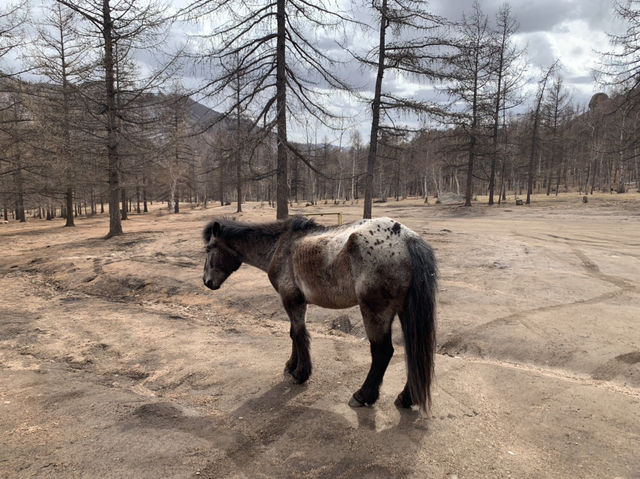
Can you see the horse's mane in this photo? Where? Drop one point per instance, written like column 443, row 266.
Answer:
column 229, row 228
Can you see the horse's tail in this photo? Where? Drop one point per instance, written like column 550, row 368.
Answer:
column 419, row 321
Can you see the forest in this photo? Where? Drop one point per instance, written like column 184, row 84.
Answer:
column 85, row 128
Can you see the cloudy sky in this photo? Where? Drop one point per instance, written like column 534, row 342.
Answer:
column 569, row 30
column 572, row 31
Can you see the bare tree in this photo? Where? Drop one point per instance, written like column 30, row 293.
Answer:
column 174, row 155
column 620, row 71
column 507, row 72
column 556, row 112
column 13, row 17
column 472, row 72
column 117, row 28
column 542, row 85
column 621, row 66
column 283, row 65
column 15, row 133
column 417, row 52
column 63, row 58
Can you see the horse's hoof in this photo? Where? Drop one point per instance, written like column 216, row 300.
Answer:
column 401, row 402
column 290, row 367
column 299, row 377
column 358, row 400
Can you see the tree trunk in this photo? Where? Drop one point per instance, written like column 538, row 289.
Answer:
column 145, row 208
column 468, row 192
column 115, row 225
column 496, row 112
column 353, row 176
column 375, row 108
column 19, row 200
column 282, row 191
column 621, row 186
column 238, row 152
column 637, row 163
column 66, row 147
column 123, row 194
column 474, row 123
column 221, row 181
column 559, row 171
column 69, row 206
column 534, row 133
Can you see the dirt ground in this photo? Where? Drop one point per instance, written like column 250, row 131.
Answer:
column 115, row 360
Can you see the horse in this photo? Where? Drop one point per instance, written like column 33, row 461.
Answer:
column 378, row 264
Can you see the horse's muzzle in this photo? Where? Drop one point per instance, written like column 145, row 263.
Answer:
column 209, row 284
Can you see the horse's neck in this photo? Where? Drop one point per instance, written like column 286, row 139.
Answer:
column 257, row 251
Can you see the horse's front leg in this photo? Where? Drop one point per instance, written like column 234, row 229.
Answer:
column 299, row 364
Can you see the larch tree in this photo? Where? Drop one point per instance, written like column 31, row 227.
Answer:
column 472, row 74
column 61, row 56
column 13, row 17
column 285, row 70
column 620, row 71
column 556, row 109
column 15, row 135
column 540, row 95
column 507, row 73
column 117, row 29
column 417, row 52
column 177, row 152
column 621, row 65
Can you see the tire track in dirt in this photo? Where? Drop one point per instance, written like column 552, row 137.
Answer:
column 592, row 269
column 460, row 343
column 591, row 241
column 559, row 374
column 521, row 315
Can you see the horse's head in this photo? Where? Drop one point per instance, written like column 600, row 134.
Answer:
column 222, row 259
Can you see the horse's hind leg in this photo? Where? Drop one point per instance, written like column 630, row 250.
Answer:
column 378, row 329
column 299, row 364
column 404, row 398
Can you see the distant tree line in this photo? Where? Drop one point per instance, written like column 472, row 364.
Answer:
column 96, row 131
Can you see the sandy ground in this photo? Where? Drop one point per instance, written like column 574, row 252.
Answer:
column 115, row 360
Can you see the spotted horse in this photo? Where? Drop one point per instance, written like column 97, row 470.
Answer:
column 378, row 264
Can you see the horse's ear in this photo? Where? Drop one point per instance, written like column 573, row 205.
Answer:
column 212, row 229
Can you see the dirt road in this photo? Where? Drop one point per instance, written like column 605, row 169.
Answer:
column 115, row 361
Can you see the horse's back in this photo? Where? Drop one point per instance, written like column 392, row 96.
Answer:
column 339, row 267
column 322, row 268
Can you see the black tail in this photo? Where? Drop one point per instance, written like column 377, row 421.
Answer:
column 419, row 322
